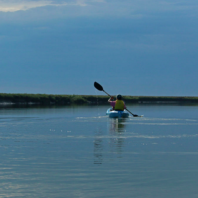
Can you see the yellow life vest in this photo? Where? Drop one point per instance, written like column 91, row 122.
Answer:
column 119, row 105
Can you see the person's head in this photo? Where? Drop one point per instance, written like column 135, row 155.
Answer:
column 119, row 97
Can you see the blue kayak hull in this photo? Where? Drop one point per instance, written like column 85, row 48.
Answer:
column 117, row 114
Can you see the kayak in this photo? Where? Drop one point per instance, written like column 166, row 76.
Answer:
column 117, row 114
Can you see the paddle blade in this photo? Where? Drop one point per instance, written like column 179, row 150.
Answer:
column 134, row 115
column 98, row 86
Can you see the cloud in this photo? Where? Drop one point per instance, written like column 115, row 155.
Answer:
column 17, row 5
column 135, row 8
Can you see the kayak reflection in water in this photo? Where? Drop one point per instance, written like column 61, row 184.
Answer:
column 117, row 126
column 117, row 105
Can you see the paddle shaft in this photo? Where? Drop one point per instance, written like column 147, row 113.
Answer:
column 107, row 93
column 131, row 113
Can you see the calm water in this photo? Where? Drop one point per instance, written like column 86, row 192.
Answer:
column 79, row 152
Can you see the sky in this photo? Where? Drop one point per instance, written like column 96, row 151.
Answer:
column 130, row 47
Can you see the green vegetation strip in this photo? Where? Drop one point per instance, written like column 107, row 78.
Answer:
column 48, row 99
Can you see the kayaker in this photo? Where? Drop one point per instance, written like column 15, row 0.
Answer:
column 119, row 104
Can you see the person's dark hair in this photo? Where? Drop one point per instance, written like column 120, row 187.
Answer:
column 119, row 97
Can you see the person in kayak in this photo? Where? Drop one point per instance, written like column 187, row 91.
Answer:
column 117, row 105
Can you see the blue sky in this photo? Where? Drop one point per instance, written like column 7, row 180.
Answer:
column 140, row 47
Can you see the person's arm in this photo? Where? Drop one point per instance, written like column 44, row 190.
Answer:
column 110, row 99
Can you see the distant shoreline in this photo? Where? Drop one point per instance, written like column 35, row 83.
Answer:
column 50, row 99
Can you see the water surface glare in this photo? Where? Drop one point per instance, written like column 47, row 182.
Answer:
column 80, row 152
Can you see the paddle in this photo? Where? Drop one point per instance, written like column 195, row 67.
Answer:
column 100, row 88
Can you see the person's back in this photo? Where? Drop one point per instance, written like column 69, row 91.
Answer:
column 119, row 104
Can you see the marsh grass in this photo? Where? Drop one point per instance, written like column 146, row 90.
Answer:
column 49, row 99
